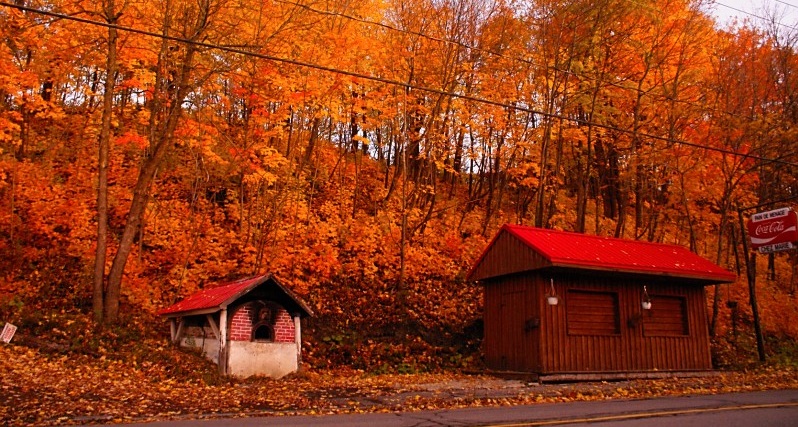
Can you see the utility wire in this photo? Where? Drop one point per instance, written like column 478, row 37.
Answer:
column 787, row 4
column 525, row 61
column 464, row 45
column 387, row 81
column 753, row 15
column 597, row 80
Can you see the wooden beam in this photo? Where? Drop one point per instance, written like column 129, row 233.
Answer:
column 617, row 376
column 172, row 329
column 214, row 328
column 177, row 332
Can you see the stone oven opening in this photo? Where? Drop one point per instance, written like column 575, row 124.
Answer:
column 263, row 333
column 263, row 321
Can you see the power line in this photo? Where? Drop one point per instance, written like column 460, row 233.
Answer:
column 762, row 18
column 597, row 80
column 786, row 4
column 468, row 46
column 583, row 76
column 387, row 81
column 404, row 31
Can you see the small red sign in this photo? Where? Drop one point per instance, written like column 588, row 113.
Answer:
column 773, row 227
column 8, row 333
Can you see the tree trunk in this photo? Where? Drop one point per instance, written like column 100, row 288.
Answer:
column 314, row 136
column 166, row 110
column 544, row 175
column 102, row 165
column 725, row 206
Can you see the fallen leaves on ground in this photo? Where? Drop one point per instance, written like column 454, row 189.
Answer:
column 42, row 389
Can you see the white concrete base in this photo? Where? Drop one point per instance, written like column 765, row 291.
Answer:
column 273, row 360
column 244, row 358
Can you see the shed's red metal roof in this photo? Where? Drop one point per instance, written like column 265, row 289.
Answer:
column 583, row 251
column 213, row 299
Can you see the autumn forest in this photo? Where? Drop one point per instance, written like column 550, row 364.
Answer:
column 365, row 152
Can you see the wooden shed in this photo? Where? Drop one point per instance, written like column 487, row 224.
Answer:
column 569, row 306
column 248, row 327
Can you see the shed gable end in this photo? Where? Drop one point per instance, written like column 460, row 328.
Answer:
column 506, row 255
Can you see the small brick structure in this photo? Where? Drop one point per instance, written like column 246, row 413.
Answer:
column 248, row 327
column 242, row 325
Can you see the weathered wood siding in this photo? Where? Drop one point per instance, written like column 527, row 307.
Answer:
column 507, row 255
column 598, row 326
column 639, row 343
column 511, row 321
column 524, row 334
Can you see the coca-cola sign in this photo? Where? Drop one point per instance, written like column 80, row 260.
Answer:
column 773, row 227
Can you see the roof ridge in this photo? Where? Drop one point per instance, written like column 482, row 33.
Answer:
column 593, row 236
column 587, row 251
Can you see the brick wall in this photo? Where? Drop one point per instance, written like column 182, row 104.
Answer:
column 241, row 325
column 284, row 327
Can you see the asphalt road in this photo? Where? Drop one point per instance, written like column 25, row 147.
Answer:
column 764, row 408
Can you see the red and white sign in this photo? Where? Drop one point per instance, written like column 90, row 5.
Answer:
column 773, row 227
column 8, row 333
column 778, row 247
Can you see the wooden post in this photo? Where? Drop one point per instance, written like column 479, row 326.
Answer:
column 223, row 342
column 298, row 338
column 173, row 328
column 750, row 269
column 177, row 328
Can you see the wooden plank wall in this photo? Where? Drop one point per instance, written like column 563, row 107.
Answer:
column 507, row 255
column 631, row 349
column 511, row 322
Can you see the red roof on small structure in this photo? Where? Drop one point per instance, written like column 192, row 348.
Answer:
column 583, row 251
column 217, row 298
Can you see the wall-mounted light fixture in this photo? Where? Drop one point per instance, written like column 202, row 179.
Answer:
column 551, row 296
column 646, row 303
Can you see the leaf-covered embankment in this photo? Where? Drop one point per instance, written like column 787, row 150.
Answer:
column 52, row 389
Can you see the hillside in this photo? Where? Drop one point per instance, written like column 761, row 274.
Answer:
column 43, row 390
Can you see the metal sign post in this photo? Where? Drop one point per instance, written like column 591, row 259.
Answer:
column 750, row 270
column 771, row 231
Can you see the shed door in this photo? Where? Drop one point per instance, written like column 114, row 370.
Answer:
column 514, row 338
